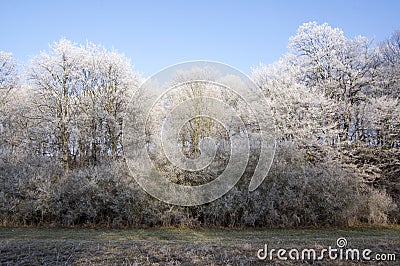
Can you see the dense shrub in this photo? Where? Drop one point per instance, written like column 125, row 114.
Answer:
column 295, row 193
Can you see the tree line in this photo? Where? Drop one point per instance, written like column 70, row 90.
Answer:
column 335, row 106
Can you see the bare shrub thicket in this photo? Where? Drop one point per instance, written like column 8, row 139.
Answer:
column 294, row 194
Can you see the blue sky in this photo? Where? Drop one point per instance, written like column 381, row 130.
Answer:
column 156, row 34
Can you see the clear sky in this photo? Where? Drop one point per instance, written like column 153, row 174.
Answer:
column 156, row 34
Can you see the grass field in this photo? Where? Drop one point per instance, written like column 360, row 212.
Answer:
column 81, row 246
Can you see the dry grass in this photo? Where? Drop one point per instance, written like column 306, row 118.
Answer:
column 55, row 246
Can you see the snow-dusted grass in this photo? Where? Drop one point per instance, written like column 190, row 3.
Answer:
column 81, row 246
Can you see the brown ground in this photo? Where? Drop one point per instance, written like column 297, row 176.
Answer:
column 81, row 246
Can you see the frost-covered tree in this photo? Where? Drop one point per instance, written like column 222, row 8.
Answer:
column 390, row 70
column 335, row 98
column 108, row 85
column 13, row 103
column 343, row 69
column 55, row 77
column 8, row 76
column 80, row 96
column 301, row 112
